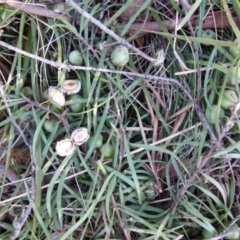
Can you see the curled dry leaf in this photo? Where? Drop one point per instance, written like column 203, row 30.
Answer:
column 80, row 136
column 65, row 147
column 71, row 86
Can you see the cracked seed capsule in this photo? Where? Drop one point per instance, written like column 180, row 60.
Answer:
column 80, row 136
column 65, row 147
column 56, row 97
column 71, row 86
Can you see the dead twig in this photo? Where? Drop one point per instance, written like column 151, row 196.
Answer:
column 127, row 236
column 217, row 20
column 213, row 21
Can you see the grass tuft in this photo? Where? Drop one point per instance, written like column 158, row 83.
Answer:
column 171, row 172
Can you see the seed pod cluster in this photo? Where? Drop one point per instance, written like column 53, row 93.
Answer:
column 229, row 99
column 67, row 146
column 56, row 94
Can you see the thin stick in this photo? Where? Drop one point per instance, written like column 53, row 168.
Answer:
column 115, row 206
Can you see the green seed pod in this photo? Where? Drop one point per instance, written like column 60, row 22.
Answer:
column 235, row 51
column 120, row 55
column 229, row 99
column 206, row 234
column 211, row 114
column 209, row 33
column 107, row 150
column 49, row 124
column 74, row 103
column 97, row 144
column 75, row 57
column 149, row 191
column 27, row 91
column 234, row 77
column 232, row 236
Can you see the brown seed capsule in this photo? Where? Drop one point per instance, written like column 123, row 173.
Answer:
column 71, row 86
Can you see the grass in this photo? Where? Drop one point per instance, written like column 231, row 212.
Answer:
column 172, row 174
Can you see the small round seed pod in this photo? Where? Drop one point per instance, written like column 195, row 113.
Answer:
column 211, row 114
column 107, row 150
column 149, row 190
column 205, row 234
column 235, row 51
column 50, row 124
column 75, row 57
column 98, row 142
column 229, row 99
column 74, row 103
column 120, row 55
column 234, row 76
column 27, row 91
